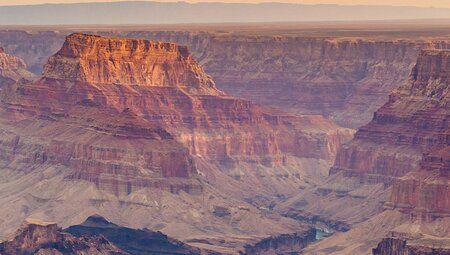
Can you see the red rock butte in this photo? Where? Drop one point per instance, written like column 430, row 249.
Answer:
column 151, row 109
column 100, row 60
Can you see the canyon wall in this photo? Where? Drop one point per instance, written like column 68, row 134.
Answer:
column 343, row 78
column 397, row 164
column 99, row 140
column 407, row 137
column 427, row 100
column 412, row 123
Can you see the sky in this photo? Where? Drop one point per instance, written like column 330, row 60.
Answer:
column 420, row 3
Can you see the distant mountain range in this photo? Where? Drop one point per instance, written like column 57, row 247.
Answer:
column 143, row 12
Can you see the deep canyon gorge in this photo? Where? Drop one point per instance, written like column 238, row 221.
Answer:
column 226, row 139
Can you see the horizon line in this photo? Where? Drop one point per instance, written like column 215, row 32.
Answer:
column 223, row 2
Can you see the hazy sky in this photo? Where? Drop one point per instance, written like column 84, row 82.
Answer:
column 422, row 3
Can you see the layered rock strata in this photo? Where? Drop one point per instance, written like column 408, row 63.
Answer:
column 427, row 100
column 398, row 161
column 412, row 123
column 186, row 104
column 161, row 143
column 345, row 78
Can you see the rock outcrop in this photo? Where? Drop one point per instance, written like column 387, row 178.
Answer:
column 97, row 60
column 393, row 246
column 43, row 238
column 282, row 244
column 95, row 236
column 133, row 241
column 12, row 69
column 33, row 48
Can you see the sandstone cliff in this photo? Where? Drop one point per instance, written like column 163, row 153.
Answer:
column 97, row 60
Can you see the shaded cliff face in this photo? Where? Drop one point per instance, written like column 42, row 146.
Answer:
column 282, row 244
column 96, row 235
column 37, row 237
column 132, row 241
column 163, row 155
